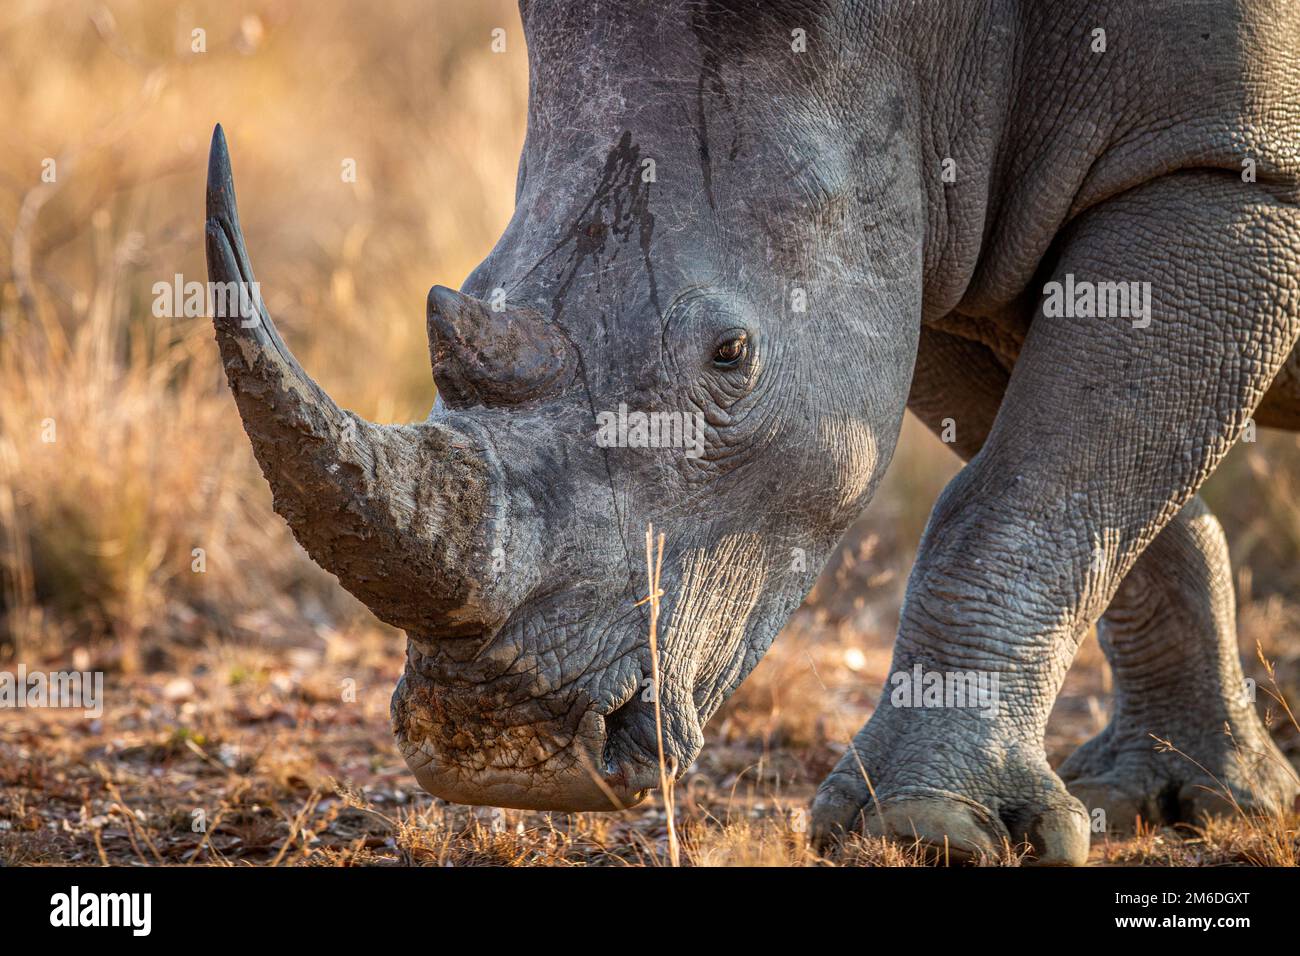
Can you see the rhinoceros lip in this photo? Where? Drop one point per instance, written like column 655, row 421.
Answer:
column 574, row 787
column 535, row 766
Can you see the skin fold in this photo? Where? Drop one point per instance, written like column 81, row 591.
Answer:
column 789, row 222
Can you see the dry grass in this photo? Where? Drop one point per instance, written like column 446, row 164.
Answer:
column 225, row 685
column 279, row 766
column 120, row 452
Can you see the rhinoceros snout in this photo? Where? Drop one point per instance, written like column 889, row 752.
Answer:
column 506, row 748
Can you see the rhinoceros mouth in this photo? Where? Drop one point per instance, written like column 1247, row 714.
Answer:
column 469, row 744
column 570, row 785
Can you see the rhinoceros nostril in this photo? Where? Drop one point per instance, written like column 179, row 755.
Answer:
column 631, row 743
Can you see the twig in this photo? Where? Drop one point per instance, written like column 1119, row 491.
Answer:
column 99, row 845
column 654, row 566
column 132, row 824
column 308, row 806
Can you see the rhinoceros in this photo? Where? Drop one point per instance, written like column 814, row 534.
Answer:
column 1064, row 233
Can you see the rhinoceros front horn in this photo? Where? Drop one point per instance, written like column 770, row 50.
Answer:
column 401, row 514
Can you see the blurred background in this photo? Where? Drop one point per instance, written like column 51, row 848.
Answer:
column 136, row 532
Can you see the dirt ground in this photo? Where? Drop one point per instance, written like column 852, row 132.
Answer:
column 235, row 753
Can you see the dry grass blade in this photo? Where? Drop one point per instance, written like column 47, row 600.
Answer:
column 295, row 827
column 654, row 561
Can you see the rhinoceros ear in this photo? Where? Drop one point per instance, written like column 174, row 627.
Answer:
column 484, row 357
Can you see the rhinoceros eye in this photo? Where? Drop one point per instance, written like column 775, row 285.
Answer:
column 730, row 349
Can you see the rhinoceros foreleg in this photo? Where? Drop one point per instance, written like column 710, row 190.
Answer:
column 1171, row 639
column 1109, row 425
column 1169, row 633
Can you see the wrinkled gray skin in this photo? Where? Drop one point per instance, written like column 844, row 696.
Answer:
column 510, row 545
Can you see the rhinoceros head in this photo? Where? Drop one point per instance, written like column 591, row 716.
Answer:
column 702, row 317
